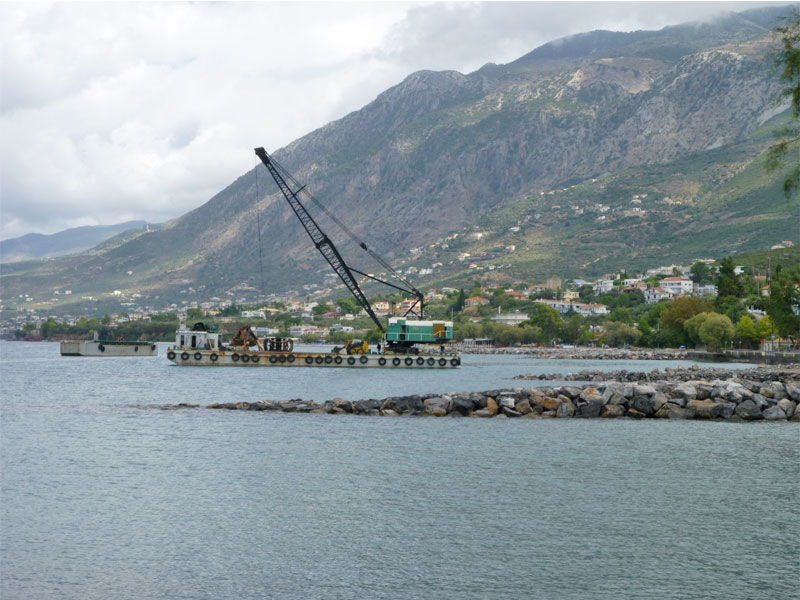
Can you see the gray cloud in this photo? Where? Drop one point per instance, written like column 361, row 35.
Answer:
column 111, row 112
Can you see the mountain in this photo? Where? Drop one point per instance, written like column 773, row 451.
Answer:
column 69, row 241
column 682, row 115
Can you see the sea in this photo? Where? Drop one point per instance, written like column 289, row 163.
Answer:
column 108, row 492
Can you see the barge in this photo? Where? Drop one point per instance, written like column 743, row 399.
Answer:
column 111, row 348
column 199, row 346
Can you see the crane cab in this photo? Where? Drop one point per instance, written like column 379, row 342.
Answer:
column 410, row 331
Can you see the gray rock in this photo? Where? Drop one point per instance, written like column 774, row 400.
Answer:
column 645, row 404
column 612, row 410
column 571, row 392
column 679, row 401
column 523, row 406
column 778, row 391
column 565, row 409
column 796, row 416
column 793, row 391
column 676, row 412
column 507, row 401
column 643, row 390
column 748, row 411
column 591, row 410
column 774, row 413
column 438, row 405
column 760, row 401
column 726, row 409
column 591, row 395
column 462, row 405
column 635, row 414
column 684, row 390
column 703, row 390
column 704, row 409
column 787, row 406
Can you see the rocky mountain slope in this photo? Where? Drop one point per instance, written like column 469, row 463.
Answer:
column 442, row 151
column 69, row 241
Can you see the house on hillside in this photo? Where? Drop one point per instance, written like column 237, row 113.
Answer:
column 475, row 301
column 514, row 318
column 655, row 294
column 677, row 285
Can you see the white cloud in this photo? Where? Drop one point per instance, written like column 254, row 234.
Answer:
column 110, row 112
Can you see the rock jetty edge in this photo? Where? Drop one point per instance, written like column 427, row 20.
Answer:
column 743, row 396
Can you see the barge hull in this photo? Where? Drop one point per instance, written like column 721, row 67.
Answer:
column 112, row 349
column 228, row 358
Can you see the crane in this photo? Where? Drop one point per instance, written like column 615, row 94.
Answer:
column 291, row 189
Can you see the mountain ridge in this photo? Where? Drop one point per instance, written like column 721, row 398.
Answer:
column 433, row 154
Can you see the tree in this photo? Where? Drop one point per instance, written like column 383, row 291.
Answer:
column 620, row 334
column 746, row 331
column 783, row 306
column 728, row 282
column 681, row 310
column 621, row 315
column 546, row 318
column 692, row 326
column 765, row 328
column 716, row 331
column 700, row 273
column 787, row 59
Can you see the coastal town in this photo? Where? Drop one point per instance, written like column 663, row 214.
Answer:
column 614, row 310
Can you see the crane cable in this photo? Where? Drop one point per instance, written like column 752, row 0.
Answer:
column 288, row 176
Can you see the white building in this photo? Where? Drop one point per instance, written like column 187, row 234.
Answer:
column 253, row 314
column 653, row 295
column 677, row 285
column 514, row 318
column 705, row 290
column 604, row 286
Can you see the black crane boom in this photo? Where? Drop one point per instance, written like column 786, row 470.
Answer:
column 321, row 241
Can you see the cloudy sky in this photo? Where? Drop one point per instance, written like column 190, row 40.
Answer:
column 118, row 111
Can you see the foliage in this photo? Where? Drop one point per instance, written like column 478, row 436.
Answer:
column 620, row 334
column 680, row 310
column 547, row 319
column 746, row 331
column 692, row 326
column 728, row 282
column 787, row 58
column 716, row 331
column 783, row 305
column 700, row 273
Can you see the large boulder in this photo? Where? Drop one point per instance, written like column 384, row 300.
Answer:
column 684, row 390
column 645, row 404
column 748, row 411
column 591, row 410
column 462, row 405
column 523, row 406
column 774, row 413
column 793, row 391
column 726, row 409
column 565, row 409
column 787, row 406
column 704, row 409
column 507, row 402
column 612, row 410
column 592, row 395
column 405, row 404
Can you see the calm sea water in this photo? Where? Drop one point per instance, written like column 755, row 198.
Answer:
column 104, row 495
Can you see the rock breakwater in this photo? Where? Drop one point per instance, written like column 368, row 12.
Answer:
column 740, row 400
column 681, row 374
column 583, row 353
